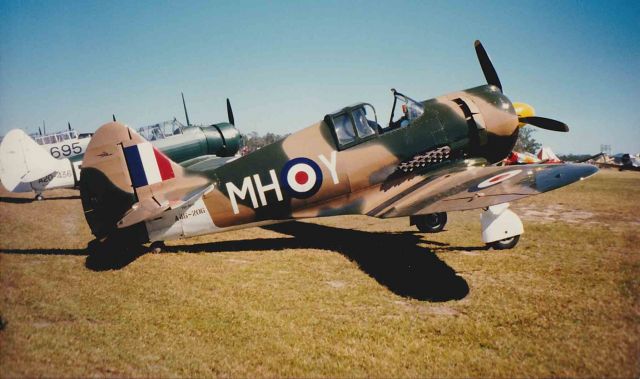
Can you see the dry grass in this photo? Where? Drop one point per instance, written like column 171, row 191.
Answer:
column 344, row 296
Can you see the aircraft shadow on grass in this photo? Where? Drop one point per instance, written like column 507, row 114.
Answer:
column 24, row 200
column 395, row 260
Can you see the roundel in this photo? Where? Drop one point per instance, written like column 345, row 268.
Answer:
column 498, row 178
column 301, row 177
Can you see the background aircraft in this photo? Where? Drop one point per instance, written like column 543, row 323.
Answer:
column 65, row 144
column 54, row 161
column 436, row 157
column 621, row 161
column 182, row 143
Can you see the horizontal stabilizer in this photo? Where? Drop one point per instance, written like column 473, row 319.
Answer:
column 151, row 208
column 206, row 162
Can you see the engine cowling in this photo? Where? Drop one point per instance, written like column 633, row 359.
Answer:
column 222, row 139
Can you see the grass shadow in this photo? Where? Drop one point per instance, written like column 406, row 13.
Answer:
column 45, row 251
column 105, row 261
column 100, row 257
column 24, row 200
column 395, row 260
column 464, row 248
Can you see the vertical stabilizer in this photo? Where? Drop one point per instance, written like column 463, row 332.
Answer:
column 22, row 160
column 125, row 180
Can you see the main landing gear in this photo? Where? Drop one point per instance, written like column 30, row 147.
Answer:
column 431, row 223
column 501, row 228
column 39, row 197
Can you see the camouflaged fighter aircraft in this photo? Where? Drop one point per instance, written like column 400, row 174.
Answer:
column 437, row 157
column 49, row 163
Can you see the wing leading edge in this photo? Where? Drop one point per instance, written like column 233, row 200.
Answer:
column 479, row 187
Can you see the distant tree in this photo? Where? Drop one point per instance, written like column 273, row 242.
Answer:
column 574, row 157
column 270, row 138
column 526, row 142
column 253, row 141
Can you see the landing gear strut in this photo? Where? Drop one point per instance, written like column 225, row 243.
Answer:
column 501, row 228
column 431, row 223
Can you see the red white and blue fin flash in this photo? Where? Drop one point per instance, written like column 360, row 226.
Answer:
column 301, row 177
column 147, row 165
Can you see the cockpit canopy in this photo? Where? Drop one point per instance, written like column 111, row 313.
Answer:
column 358, row 123
column 353, row 124
column 409, row 110
column 55, row 137
column 161, row 130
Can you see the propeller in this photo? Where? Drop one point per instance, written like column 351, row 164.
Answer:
column 545, row 123
column 186, row 115
column 69, row 125
column 527, row 115
column 525, row 112
column 487, row 67
column 230, row 113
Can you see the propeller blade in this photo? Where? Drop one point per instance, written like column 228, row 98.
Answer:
column 545, row 123
column 114, row 117
column 487, row 67
column 69, row 125
column 186, row 115
column 232, row 121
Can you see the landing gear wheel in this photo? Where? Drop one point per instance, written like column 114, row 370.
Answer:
column 39, row 197
column 507, row 243
column 157, row 247
column 431, row 223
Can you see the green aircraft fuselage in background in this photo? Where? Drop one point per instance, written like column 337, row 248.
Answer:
column 194, row 142
column 222, row 140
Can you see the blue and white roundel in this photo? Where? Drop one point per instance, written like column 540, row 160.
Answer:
column 301, row 177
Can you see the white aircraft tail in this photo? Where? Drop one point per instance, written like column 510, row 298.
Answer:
column 22, row 160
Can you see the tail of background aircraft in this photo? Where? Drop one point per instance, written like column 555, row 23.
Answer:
column 125, row 181
column 25, row 166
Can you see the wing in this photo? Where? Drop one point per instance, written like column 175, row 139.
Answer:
column 463, row 187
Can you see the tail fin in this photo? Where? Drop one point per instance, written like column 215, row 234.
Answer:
column 22, row 160
column 126, row 180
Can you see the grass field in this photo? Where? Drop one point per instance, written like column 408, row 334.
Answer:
column 339, row 297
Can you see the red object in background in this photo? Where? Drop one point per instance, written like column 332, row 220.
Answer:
column 511, row 159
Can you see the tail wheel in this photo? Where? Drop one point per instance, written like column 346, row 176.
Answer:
column 504, row 244
column 431, row 223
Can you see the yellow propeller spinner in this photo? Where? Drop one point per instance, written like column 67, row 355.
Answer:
column 523, row 110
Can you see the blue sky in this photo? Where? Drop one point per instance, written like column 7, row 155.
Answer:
column 286, row 64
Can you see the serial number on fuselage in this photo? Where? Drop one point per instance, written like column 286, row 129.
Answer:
column 57, row 174
column 192, row 213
